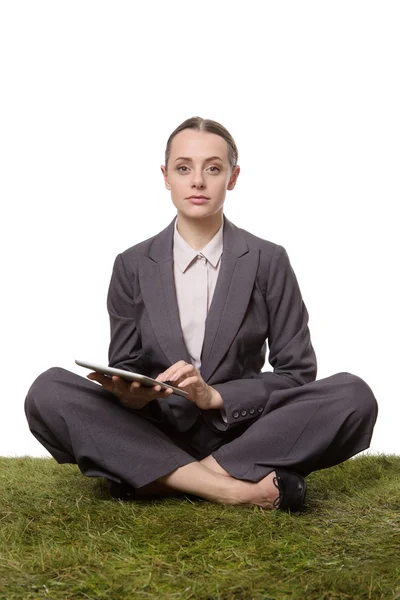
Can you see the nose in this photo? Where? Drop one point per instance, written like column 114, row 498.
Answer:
column 198, row 178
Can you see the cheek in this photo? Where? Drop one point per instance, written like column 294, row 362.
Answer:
column 221, row 187
column 177, row 182
column 176, row 187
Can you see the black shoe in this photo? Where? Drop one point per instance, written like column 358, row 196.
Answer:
column 121, row 491
column 292, row 490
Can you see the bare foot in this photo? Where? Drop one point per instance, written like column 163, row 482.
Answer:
column 237, row 492
column 264, row 493
column 197, row 478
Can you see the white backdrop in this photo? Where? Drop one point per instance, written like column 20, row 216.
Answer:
column 91, row 91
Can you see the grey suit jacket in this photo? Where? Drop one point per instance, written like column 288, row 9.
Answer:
column 256, row 299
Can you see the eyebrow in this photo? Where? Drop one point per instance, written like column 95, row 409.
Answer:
column 188, row 159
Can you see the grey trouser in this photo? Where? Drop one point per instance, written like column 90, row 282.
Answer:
column 305, row 428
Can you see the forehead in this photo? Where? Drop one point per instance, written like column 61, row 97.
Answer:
column 198, row 145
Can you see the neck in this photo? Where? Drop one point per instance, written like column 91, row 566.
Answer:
column 198, row 232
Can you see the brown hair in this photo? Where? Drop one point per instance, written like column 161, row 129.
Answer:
column 200, row 124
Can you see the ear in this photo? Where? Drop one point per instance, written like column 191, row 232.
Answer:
column 164, row 172
column 234, row 176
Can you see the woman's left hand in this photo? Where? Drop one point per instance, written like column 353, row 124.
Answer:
column 184, row 376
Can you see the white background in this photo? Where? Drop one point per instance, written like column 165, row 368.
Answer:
column 90, row 92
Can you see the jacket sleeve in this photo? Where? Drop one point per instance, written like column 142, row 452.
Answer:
column 291, row 354
column 125, row 349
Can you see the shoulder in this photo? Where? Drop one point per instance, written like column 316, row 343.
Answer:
column 130, row 256
column 268, row 249
column 139, row 249
column 255, row 242
column 274, row 262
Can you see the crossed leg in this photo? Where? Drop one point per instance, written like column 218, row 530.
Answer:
column 71, row 417
column 310, row 427
column 207, row 479
column 307, row 428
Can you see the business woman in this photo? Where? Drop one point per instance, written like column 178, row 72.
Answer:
column 195, row 305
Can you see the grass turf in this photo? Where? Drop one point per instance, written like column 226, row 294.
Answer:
column 62, row 537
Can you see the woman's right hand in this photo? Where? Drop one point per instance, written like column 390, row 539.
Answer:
column 130, row 394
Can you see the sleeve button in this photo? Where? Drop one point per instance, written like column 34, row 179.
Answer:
column 260, row 409
column 252, row 411
column 243, row 413
column 235, row 414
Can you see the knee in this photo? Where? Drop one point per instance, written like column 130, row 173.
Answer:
column 44, row 392
column 359, row 397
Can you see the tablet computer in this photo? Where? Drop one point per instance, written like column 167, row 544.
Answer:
column 143, row 379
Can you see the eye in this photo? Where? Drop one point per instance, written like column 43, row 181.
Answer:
column 184, row 167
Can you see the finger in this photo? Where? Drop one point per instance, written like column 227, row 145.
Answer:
column 188, row 381
column 99, row 377
column 119, row 385
column 172, row 376
column 94, row 376
column 159, row 388
column 104, row 381
column 164, row 391
column 162, row 377
column 174, row 370
column 120, row 381
column 182, row 371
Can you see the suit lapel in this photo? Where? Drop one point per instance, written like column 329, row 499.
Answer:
column 228, row 307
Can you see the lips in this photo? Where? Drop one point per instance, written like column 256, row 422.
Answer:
column 196, row 200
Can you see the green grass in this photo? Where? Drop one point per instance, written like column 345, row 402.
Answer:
column 61, row 536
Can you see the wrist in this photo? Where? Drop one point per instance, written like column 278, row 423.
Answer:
column 216, row 399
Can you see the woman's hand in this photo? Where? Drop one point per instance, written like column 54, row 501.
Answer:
column 131, row 395
column 184, row 376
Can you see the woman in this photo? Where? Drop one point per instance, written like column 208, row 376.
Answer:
column 194, row 306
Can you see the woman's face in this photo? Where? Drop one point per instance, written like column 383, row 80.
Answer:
column 192, row 173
